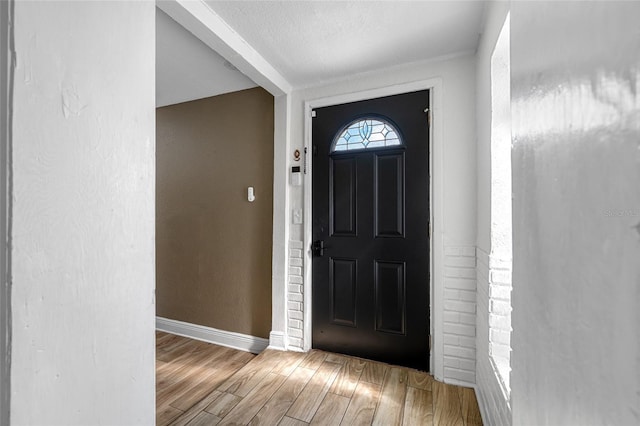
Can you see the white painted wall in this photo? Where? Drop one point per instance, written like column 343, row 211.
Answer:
column 83, row 214
column 576, row 230
column 187, row 69
column 205, row 23
column 493, row 401
column 6, row 10
column 458, row 161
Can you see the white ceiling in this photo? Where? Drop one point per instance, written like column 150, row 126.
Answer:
column 311, row 42
column 187, row 69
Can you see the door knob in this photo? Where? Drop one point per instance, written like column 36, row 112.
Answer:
column 318, row 248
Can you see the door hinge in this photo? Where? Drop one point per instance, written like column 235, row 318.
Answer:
column 430, row 343
column 313, row 113
column 428, row 112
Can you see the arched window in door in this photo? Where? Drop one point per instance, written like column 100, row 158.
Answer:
column 366, row 133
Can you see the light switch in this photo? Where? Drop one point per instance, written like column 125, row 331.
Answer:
column 297, row 216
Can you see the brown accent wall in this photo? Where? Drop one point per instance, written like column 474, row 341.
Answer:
column 213, row 247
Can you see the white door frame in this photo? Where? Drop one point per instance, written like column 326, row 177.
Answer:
column 436, row 260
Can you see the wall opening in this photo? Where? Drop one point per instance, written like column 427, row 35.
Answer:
column 501, row 242
column 214, row 245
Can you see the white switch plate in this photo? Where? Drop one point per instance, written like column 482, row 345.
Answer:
column 297, row 216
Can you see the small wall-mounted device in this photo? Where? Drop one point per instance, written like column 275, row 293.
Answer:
column 250, row 194
column 296, row 176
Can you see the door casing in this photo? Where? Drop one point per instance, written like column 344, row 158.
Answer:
column 436, row 211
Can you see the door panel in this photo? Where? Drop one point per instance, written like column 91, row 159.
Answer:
column 389, row 195
column 371, row 211
column 343, row 291
column 390, row 297
column 343, row 197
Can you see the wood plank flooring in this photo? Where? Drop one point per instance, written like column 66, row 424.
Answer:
column 201, row 384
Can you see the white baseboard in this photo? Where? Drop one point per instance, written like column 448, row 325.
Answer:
column 229, row 339
column 276, row 341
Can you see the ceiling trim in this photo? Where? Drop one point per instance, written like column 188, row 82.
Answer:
column 204, row 23
column 387, row 70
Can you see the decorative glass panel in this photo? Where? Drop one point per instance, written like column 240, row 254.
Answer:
column 366, row 133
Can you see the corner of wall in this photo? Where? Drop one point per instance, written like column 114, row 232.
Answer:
column 494, row 404
column 6, row 106
column 281, row 227
column 277, row 341
column 459, row 316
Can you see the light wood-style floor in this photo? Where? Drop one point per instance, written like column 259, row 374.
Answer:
column 203, row 384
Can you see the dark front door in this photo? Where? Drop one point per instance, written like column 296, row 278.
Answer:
column 371, row 229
